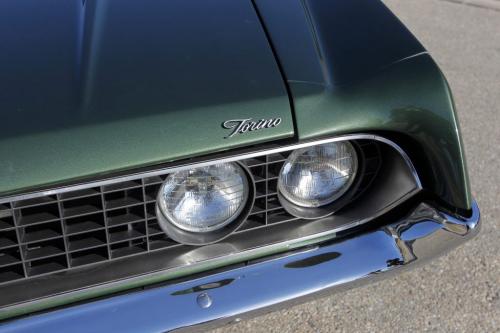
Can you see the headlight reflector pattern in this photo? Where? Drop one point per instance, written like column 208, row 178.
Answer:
column 204, row 199
column 317, row 176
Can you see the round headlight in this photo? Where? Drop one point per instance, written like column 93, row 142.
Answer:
column 204, row 199
column 318, row 175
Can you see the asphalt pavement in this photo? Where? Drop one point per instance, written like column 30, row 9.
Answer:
column 459, row 292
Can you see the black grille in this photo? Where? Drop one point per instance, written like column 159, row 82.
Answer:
column 58, row 232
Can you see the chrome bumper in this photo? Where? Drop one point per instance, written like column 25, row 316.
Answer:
column 268, row 285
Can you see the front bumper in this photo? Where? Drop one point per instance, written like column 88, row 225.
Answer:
column 264, row 286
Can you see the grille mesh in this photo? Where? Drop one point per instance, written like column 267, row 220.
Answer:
column 58, row 232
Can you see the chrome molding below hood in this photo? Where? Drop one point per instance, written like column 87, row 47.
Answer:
column 205, row 161
column 229, row 296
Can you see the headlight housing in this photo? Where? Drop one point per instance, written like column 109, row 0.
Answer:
column 203, row 201
column 317, row 176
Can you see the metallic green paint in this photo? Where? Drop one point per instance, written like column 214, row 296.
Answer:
column 90, row 88
column 411, row 98
column 358, row 69
column 96, row 86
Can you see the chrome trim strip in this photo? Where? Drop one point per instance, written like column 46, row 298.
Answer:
column 234, row 158
column 243, row 292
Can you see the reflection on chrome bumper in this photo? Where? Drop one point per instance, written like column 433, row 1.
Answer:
column 228, row 296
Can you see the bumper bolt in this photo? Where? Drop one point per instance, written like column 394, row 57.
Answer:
column 204, row 300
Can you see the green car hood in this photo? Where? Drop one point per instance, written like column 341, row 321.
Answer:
column 90, row 87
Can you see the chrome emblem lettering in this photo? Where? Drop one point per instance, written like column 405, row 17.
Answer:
column 240, row 126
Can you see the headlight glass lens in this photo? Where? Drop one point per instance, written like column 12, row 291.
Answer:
column 317, row 176
column 206, row 198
